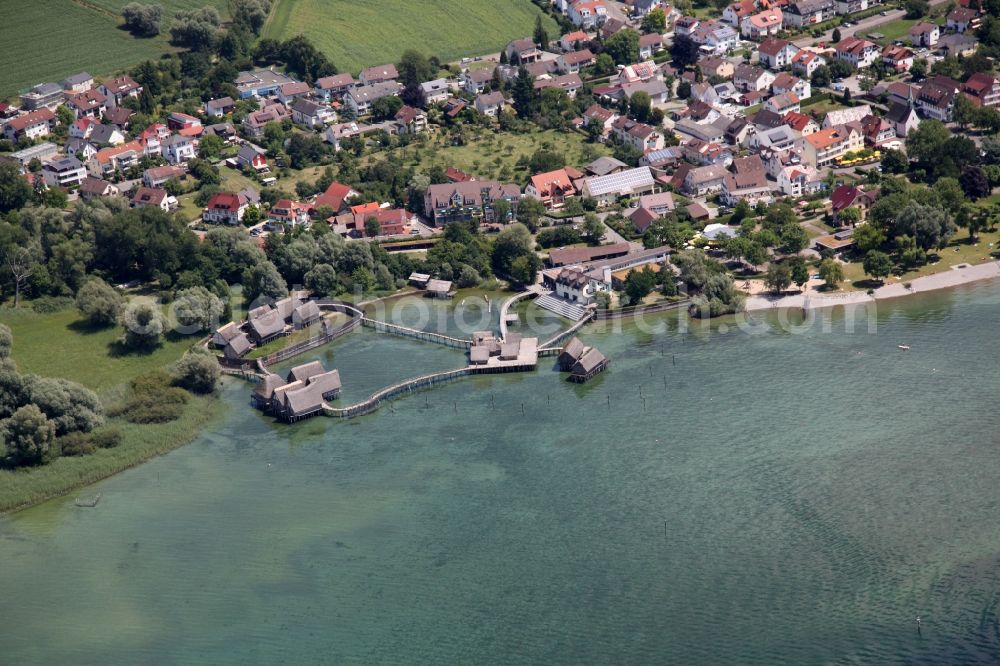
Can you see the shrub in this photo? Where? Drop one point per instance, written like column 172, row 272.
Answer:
column 70, row 407
column 99, row 302
column 106, row 439
column 75, row 444
column 6, row 341
column 51, row 304
column 153, row 399
column 144, row 325
column 198, row 373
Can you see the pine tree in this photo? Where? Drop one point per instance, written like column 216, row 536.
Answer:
column 525, row 97
column 541, row 36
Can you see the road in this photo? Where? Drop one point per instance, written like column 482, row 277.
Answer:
column 861, row 28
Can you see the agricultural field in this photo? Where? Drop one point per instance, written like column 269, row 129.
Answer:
column 361, row 34
column 48, row 40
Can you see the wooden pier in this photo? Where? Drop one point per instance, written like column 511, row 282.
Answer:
column 407, row 332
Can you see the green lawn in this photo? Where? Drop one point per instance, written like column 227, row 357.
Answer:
column 356, row 34
column 48, row 40
column 486, row 153
column 62, row 345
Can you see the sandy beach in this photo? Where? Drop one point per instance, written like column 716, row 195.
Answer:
column 811, row 300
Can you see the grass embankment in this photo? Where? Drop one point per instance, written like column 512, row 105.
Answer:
column 48, row 40
column 60, row 344
column 355, row 34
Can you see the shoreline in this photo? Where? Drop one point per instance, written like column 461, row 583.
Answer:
column 954, row 277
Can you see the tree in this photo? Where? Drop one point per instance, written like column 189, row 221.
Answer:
column 372, row 227
column 541, row 37
column 794, row 238
column 639, row 106
column 835, row 37
column 413, row 95
column 15, row 191
column 963, row 111
column 511, row 243
column 926, row 142
column 894, row 161
column 604, row 65
column 974, row 183
column 6, row 341
column 840, row 69
column 322, row 280
column 142, row 20
column 821, row 76
column 655, row 21
column 197, row 29
column 831, row 272
column 593, row 228
column 778, row 277
column 21, row 264
column 799, row 270
column 868, row 237
column 524, row 269
column 210, row 146
column 197, row 372
column 68, row 405
column 529, row 210
column 684, row 51
column 639, row 284
column 29, row 436
column 929, row 225
column 144, row 325
column 877, row 264
column 414, row 68
column 916, row 8
column 623, row 46
column 501, row 211
column 525, row 96
column 99, row 302
column 198, row 309
column 949, row 192
column 919, row 69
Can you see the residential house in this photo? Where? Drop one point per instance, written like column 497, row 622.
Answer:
column 588, row 14
column 360, row 100
column 256, row 121
column 958, row 45
column 605, row 166
column 117, row 90
column 703, row 153
column 92, row 187
column 778, row 139
column 783, row 103
column 821, row 148
column 378, row 74
column 476, row 81
column 717, row 67
column 391, row 221
column 638, row 72
column 78, row 83
column 937, row 97
column 643, row 7
column 523, row 51
column 107, row 135
column 983, row 89
column 762, row 25
column 157, row 176
column 657, row 90
column 552, row 188
column 903, row 118
column 715, row 37
column 490, row 104
column 178, row 149
column 336, row 197
column 225, row 207
column 649, row 45
column 289, row 213
column 747, row 182
column 877, row 131
column 628, row 183
column 261, row 82
column 573, row 61
column 685, row 26
column 714, row 132
column 924, row 34
column 799, row 181
column 808, row 12
column 31, row 125
column 777, row 53
column 898, row 58
column 859, row 52
column 850, row 196
column 597, row 114
column 962, row 19
column 64, row 172
column 44, row 95
column 801, row 123
column 289, row 92
column 571, row 83
column 572, row 41
column 734, row 13
column 335, row 134
column 785, row 82
column 854, row 114
column 844, row 7
column 704, row 180
column 467, row 201
column 664, row 159
column 152, row 197
column 178, row 122
column 410, row 120
column 750, row 77
column 107, row 161
column 639, row 135
column 89, row 104
column 312, row 113
column 333, row 87
column 436, row 91
column 804, row 63
column 704, row 92
column 218, row 108
column 252, row 157
column 119, row 116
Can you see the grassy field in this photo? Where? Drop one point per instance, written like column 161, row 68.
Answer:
column 485, row 154
column 355, row 34
column 24, row 487
column 62, row 345
column 48, row 40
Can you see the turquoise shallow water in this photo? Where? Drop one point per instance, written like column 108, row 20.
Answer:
column 778, row 499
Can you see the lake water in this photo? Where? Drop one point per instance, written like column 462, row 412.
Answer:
column 715, row 497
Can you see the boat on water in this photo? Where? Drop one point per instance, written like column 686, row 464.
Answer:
column 904, row 347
